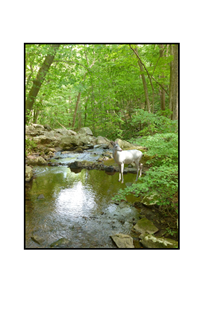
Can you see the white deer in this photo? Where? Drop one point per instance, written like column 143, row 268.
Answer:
column 121, row 157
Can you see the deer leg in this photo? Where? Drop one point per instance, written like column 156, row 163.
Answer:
column 119, row 172
column 141, row 166
column 137, row 166
column 122, row 169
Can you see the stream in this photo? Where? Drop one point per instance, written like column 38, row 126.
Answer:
column 76, row 207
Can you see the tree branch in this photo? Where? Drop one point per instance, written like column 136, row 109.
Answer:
column 148, row 72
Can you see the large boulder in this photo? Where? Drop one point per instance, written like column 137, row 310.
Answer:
column 123, row 240
column 85, row 130
column 145, row 226
column 28, row 173
column 76, row 141
column 150, row 241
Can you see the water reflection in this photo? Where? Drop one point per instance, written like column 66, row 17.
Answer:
column 75, row 201
column 73, row 207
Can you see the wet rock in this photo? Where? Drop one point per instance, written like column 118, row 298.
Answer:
column 150, row 241
column 123, row 240
column 61, row 243
column 81, row 164
column 145, row 226
column 37, row 239
column 28, row 173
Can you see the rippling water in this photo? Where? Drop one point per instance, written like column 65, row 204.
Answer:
column 76, row 206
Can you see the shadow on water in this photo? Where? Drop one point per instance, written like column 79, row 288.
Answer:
column 74, row 206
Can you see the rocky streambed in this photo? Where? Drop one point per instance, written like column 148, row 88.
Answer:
column 70, row 184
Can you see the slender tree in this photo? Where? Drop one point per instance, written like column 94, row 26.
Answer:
column 162, row 92
column 173, row 96
column 40, row 77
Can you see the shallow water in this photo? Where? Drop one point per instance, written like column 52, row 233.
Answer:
column 76, row 206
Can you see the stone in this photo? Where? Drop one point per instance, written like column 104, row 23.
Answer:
column 150, row 241
column 145, row 226
column 61, row 243
column 85, row 130
column 28, row 173
column 123, row 240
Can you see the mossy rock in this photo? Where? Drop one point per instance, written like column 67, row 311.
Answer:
column 150, row 241
column 145, row 226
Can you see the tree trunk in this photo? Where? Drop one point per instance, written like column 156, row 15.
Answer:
column 145, row 87
column 76, row 108
column 162, row 92
column 173, row 94
column 141, row 65
column 40, row 78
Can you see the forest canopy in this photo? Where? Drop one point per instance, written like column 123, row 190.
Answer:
column 118, row 90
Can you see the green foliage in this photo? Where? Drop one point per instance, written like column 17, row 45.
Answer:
column 163, row 148
column 170, row 231
column 150, row 123
column 162, row 181
column 108, row 78
column 162, row 177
